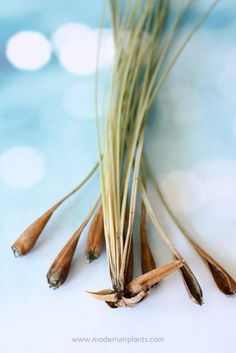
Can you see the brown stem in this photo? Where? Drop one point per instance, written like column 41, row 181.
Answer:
column 148, row 262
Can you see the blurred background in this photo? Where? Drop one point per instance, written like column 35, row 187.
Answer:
column 48, row 144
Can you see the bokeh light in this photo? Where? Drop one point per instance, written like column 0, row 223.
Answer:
column 28, row 50
column 21, row 167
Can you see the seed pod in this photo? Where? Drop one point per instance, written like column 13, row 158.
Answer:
column 60, row 267
column 137, row 289
column 148, row 262
column 29, row 237
column 223, row 280
column 191, row 283
column 95, row 237
column 147, row 280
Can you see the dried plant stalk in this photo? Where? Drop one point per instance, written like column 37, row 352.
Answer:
column 147, row 259
column 95, row 237
column 137, row 78
column 138, row 75
column 130, row 267
column 124, row 133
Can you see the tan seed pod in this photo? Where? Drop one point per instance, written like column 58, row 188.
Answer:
column 29, row 237
column 223, row 280
column 115, row 300
column 60, row 267
column 147, row 280
column 95, row 237
column 148, row 262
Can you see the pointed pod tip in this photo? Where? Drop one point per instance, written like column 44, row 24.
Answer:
column 90, row 257
column 199, row 301
column 54, row 286
column 197, row 296
column 191, row 284
column 54, row 280
column 106, row 295
column 16, row 251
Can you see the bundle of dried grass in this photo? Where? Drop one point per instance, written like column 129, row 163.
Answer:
column 140, row 68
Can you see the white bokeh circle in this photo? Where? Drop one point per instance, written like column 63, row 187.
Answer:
column 76, row 46
column 184, row 191
column 67, row 32
column 220, row 182
column 28, row 50
column 21, row 167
